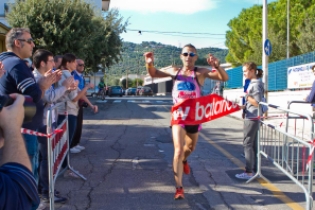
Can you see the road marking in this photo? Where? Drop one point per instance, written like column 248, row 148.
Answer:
column 117, row 101
column 272, row 188
column 131, row 101
column 100, row 101
column 146, row 101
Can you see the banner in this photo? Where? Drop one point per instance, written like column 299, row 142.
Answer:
column 300, row 76
column 201, row 110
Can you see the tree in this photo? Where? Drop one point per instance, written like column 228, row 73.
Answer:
column 134, row 82
column 306, row 39
column 244, row 39
column 124, row 82
column 71, row 26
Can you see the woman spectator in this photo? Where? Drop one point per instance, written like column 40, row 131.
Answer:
column 254, row 95
column 68, row 64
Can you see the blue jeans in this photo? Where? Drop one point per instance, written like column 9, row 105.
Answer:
column 72, row 124
column 32, row 151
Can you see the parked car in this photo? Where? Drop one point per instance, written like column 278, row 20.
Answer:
column 145, row 91
column 131, row 91
column 115, row 91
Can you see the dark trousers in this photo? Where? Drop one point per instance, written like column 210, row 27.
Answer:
column 250, row 144
column 78, row 131
column 72, row 123
column 43, row 185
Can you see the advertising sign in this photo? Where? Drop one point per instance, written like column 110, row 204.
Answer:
column 300, row 76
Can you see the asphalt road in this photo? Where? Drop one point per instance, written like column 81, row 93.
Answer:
column 128, row 164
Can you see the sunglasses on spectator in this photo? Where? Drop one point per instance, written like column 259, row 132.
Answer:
column 190, row 54
column 30, row 40
column 81, row 65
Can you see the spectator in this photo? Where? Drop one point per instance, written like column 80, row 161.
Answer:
column 57, row 61
column 311, row 96
column 68, row 64
column 43, row 61
column 83, row 102
column 19, row 79
column 17, row 185
column 255, row 92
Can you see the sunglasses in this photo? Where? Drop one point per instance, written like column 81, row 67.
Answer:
column 81, row 65
column 190, row 54
column 30, row 40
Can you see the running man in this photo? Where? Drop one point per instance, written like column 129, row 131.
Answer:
column 188, row 81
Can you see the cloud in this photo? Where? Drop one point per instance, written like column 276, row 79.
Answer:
column 171, row 6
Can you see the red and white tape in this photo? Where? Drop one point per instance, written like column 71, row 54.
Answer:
column 35, row 133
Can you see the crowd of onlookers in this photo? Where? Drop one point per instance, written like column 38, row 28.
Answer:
column 49, row 81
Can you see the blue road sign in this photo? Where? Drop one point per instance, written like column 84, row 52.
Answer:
column 267, row 47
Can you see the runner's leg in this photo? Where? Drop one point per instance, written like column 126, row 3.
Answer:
column 190, row 144
column 179, row 141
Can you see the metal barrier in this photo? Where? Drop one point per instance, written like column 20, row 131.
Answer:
column 58, row 149
column 289, row 152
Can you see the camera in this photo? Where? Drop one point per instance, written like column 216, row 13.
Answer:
column 29, row 106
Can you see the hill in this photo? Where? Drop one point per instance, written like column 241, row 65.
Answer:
column 165, row 55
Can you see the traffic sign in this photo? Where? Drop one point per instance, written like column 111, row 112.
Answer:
column 267, row 47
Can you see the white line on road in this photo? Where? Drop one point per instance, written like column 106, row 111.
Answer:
column 100, row 101
column 117, row 101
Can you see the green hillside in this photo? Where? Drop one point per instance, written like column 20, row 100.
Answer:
column 165, row 55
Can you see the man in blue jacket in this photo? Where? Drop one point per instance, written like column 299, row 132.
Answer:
column 19, row 79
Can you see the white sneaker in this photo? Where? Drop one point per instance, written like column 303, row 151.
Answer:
column 74, row 150
column 243, row 176
column 80, row 147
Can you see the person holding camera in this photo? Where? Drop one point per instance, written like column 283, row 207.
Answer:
column 83, row 102
column 19, row 79
column 18, row 188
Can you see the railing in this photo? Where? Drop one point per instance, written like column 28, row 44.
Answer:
column 290, row 152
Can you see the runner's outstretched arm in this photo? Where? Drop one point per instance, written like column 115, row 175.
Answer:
column 149, row 59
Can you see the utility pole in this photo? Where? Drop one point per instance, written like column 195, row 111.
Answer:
column 127, row 78
column 288, row 29
column 265, row 52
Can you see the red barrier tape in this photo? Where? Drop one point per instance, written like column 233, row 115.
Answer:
column 310, row 157
column 35, row 133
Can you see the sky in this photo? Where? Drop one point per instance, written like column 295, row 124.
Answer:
column 156, row 18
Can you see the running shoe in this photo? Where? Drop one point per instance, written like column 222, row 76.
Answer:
column 186, row 167
column 179, row 194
